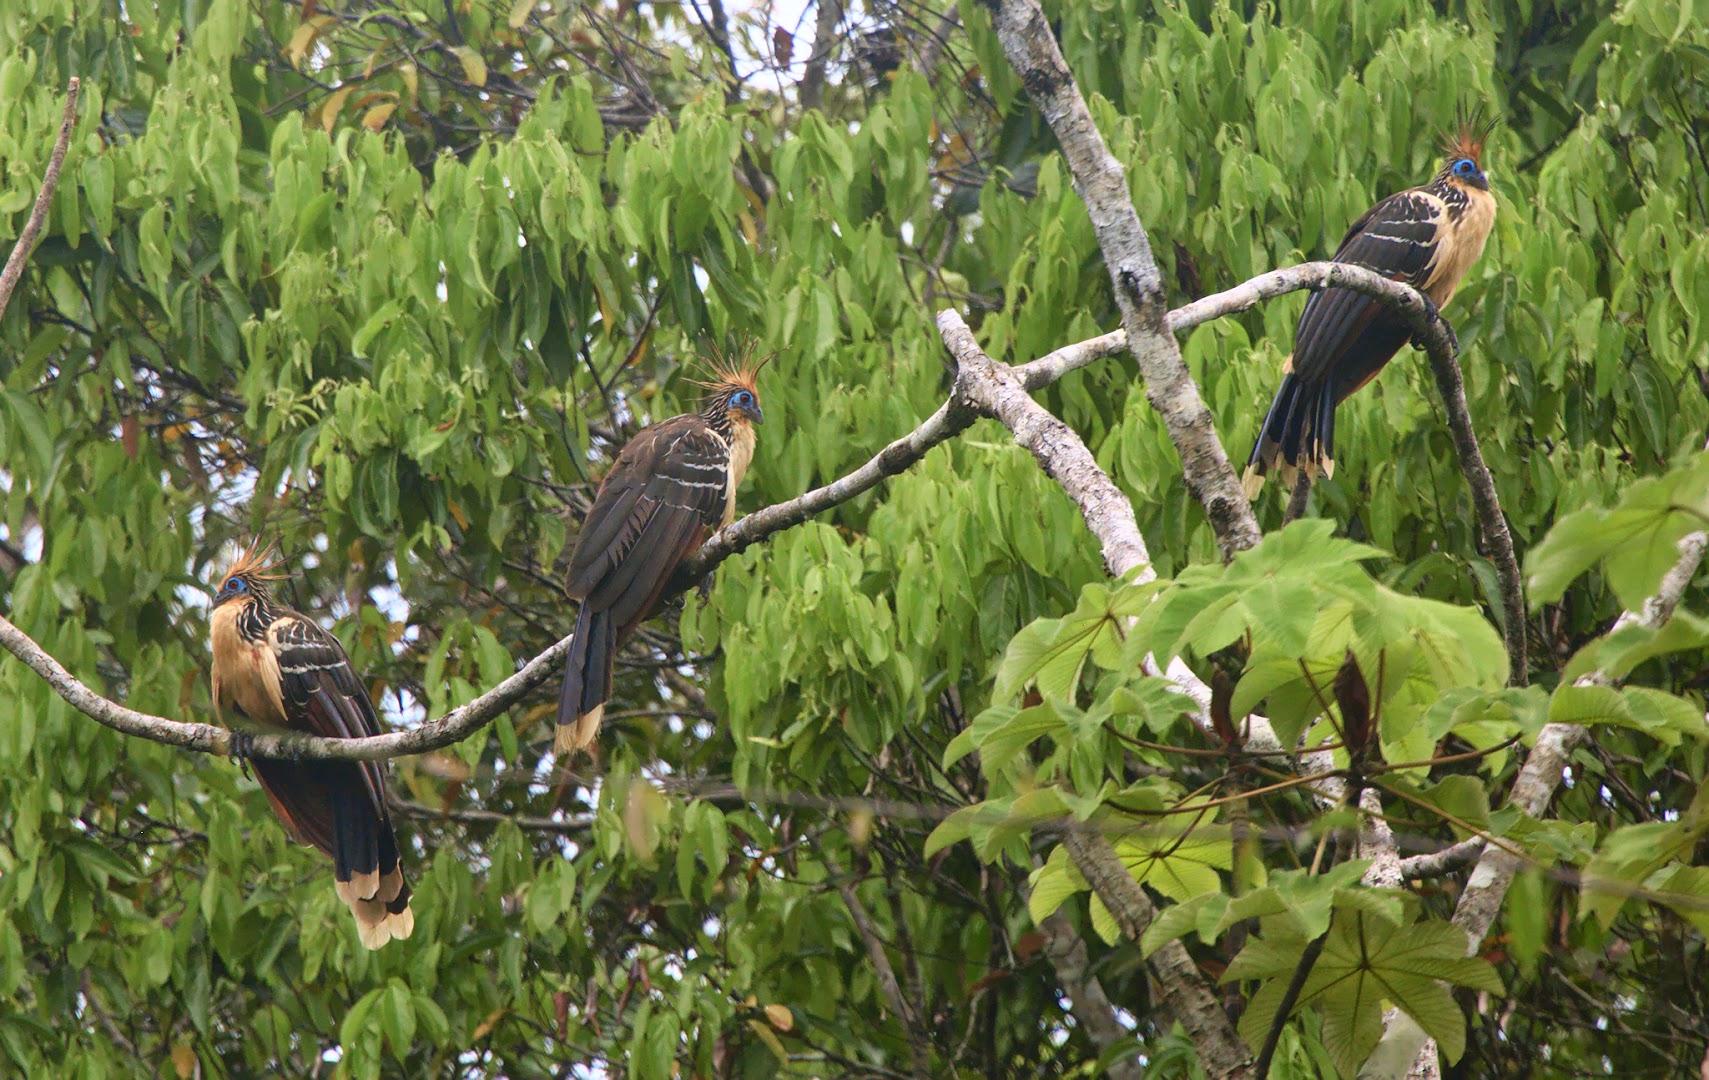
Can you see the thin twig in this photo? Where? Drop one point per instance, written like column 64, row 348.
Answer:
column 38, row 213
column 1302, row 971
column 918, row 1046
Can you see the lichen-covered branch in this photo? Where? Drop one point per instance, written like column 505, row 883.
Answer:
column 1183, row 992
column 1102, row 184
column 1086, row 998
column 950, row 420
column 996, row 390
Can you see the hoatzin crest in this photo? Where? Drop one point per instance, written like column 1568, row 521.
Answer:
column 1425, row 236
column 672, row 486
column 275, row 668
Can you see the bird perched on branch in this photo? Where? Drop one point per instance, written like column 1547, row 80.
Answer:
column 277, row 669
column 1425, row 236
column 671, row 487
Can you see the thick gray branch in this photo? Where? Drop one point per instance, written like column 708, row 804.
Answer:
column 825, row 22
column 1086, row 997
column 988, row 387
column 1102, row 185
column 996, row 390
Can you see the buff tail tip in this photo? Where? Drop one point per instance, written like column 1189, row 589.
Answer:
column 578, row 735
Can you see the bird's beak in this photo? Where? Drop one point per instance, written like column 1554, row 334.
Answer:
column 755, row 414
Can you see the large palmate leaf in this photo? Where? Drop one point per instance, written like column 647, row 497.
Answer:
column 1368, row 963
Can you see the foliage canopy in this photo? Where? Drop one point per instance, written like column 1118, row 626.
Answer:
column 392, row 280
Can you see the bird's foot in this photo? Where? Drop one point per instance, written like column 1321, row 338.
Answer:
column 241, row 746
column 1434, row 314
column 705, row 588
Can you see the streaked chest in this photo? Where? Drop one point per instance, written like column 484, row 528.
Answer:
column 742, row 441
column 245, row 673
column 1463, row 236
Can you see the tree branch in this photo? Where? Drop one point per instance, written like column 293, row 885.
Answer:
column 1102, row 185
column 951, row 419
column 1183, row 991
column 1086, row 998
column 1532, row 791
column 919, row 1048
column 996, row 390
column 985, row 386
column 1409, row 306
column 38, row 213
column 454, row 726
column 826, row 18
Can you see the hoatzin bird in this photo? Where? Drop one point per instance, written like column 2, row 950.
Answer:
column 275, row 668
column 672, row 485
column 1425, row 236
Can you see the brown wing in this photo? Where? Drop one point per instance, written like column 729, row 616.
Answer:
column 665, row 492
column 1397, row 238
column 322, row 694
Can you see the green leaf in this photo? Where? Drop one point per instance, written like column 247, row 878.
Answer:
column 1053, row 883
column 474, row 65
column 1177, row 919
column 1636, row 540
column 1367, row 963
column 1622, row 649
column 1179, row 861
column 1627, row 857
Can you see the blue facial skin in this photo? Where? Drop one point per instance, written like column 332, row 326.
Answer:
column 743, row 401
column 232, row 587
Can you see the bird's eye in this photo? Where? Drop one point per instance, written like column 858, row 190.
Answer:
column 235, row 585
column 1465, row 167
column 742, row 400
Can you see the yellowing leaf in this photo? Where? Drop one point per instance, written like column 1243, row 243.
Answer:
column 485, row 1027
column 780, row 1016
column 643, row 811
column 519, row 12
column 184, row 1061
column 303, row 39
column 474, row 67
column 330, row 110
column 377, row 116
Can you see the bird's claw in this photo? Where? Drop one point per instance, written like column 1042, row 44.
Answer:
column 241, row 746
column 705, row 588
column 1434, row 314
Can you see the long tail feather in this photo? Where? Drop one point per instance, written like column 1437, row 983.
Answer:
column 1298, row 433
column 587, row 680
column 326, row 805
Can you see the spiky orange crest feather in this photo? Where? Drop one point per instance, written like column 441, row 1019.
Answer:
column 1467, row 138
column 740, row 368
column 257, row 563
